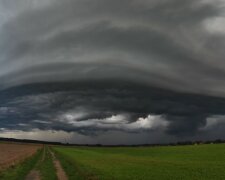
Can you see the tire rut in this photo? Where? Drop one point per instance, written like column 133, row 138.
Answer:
column 59, row 170
column 35, row 174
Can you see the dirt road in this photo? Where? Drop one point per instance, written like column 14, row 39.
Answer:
column 35, row 174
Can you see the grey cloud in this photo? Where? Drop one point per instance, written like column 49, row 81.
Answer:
column 95, row 60
column 144, row 37
column 88, row 108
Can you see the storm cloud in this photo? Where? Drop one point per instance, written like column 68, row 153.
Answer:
column 93, row 67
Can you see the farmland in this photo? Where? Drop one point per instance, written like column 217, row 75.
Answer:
column 200, row 162
column 169, row 163
column 13, row 153
column 29, row 162
column 17, row 160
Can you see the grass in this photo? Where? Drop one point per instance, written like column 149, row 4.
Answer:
column 196, row 162
column 19, row 171
column 46, row 166
column 72, row 169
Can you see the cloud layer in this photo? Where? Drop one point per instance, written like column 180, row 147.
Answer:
column 97, row 66
column 91, row 108
column 148, row 41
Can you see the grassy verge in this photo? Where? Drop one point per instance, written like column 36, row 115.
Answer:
column 19, row 171
column 46, row 167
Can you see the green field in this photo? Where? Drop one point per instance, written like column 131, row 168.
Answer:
column 155, row 163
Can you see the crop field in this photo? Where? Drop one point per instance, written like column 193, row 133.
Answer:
column 198, row 162
column 156, row 163
column 11, row 154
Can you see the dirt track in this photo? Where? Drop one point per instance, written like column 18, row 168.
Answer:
column 59, row 170
column 35, row 174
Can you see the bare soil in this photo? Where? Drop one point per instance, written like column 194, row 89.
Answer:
column 33, row 175
column 11, row 154
column 59, row 170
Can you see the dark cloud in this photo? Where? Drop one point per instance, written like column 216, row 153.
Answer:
column 96, row 106
column 140, row 37
column 101, row 66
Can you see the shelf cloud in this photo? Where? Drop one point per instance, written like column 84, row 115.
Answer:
column 98, row 67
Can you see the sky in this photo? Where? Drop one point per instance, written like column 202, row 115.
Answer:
column 112, row 71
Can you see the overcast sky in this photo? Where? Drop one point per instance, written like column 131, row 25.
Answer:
column 112, row 71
